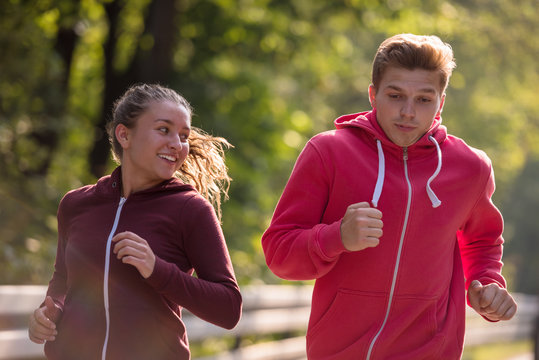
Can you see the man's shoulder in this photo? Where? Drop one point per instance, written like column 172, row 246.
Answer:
column 337, row 136
column 459, row 153
column 324, row 136
column 460, row 146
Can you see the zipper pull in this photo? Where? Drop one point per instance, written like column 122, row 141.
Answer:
column 405, row 153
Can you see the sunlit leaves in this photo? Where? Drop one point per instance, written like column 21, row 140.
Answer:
column 265, row 74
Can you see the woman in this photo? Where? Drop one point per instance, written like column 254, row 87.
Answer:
column 129, row 244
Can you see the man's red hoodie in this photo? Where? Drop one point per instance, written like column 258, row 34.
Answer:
column 405, row 298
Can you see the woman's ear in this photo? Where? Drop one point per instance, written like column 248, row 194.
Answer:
column 122, row 135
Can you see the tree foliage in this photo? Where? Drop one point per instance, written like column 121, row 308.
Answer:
column 265, row 74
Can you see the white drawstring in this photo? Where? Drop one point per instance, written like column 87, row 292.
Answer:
column 432, row 196
column 381, row 173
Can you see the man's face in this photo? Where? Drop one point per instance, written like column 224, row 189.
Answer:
column 406, row 102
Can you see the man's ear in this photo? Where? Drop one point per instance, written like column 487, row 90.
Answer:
column 122, row 135
column 442, row 101
column 372, row 95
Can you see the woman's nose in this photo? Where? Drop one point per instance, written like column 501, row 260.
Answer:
column 176, row 142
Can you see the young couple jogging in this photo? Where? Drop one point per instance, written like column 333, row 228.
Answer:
column 390, row 214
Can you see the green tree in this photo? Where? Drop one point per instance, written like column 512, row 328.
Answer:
column 265, row 74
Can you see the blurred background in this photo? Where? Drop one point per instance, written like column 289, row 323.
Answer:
column 266, row 75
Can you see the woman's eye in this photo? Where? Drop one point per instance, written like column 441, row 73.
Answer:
column 184, row 137
column 164, row 130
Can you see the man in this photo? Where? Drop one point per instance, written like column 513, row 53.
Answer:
column 393, row 218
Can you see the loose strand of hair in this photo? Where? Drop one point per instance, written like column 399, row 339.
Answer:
column 205, row 167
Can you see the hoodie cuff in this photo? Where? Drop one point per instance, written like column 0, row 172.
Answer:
column 329, row 240
column 160, row 275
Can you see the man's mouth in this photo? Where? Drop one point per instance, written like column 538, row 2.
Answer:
column 405, row 128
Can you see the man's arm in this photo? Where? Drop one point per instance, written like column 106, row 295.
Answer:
column 481, row 247
column 297, row 245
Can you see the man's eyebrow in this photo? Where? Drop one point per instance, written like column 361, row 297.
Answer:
column 427, row 90
column 393, row 87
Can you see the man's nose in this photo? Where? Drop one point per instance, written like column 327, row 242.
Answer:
column 408, row 109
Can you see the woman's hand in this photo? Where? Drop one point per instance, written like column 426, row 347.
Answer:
column 42, row 325
column 133, row 250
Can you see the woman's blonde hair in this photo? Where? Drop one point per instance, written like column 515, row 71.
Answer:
column 204, row 167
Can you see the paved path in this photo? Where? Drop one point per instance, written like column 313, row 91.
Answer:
column 523, row 357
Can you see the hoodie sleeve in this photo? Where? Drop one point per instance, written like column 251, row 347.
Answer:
column 58, row 284
column 213, row 295
column 297, row 244
column 480, row 239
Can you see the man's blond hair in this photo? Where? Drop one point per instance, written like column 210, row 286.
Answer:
column 411, row 52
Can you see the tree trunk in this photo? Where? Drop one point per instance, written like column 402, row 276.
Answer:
column 148, row 65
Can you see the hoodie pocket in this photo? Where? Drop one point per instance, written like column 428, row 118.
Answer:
column 411, row 329
column 162, row 332
column 350, row 321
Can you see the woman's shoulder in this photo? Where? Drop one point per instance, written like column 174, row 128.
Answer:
column 78, row 194
column 196, row 202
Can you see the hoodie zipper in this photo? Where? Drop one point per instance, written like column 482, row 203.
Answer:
column 397, row 263
column 106, row 276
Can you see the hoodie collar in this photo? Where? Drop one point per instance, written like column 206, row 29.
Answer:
column 432, row 139
column 111, row 185
column 367, row 121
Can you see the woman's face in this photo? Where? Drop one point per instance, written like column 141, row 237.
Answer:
column 156, row 147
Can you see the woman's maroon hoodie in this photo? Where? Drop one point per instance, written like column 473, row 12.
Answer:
column 405, row 298
column 109, row 311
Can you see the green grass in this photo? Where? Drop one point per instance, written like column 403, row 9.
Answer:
column 502, row 351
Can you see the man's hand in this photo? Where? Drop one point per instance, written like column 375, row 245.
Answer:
column 43, row 322
column 491, row 301
column 361, row 227
column 133, row 250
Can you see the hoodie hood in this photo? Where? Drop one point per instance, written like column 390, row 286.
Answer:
column 427, row 144
column 367, row 121
column 111, row 186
